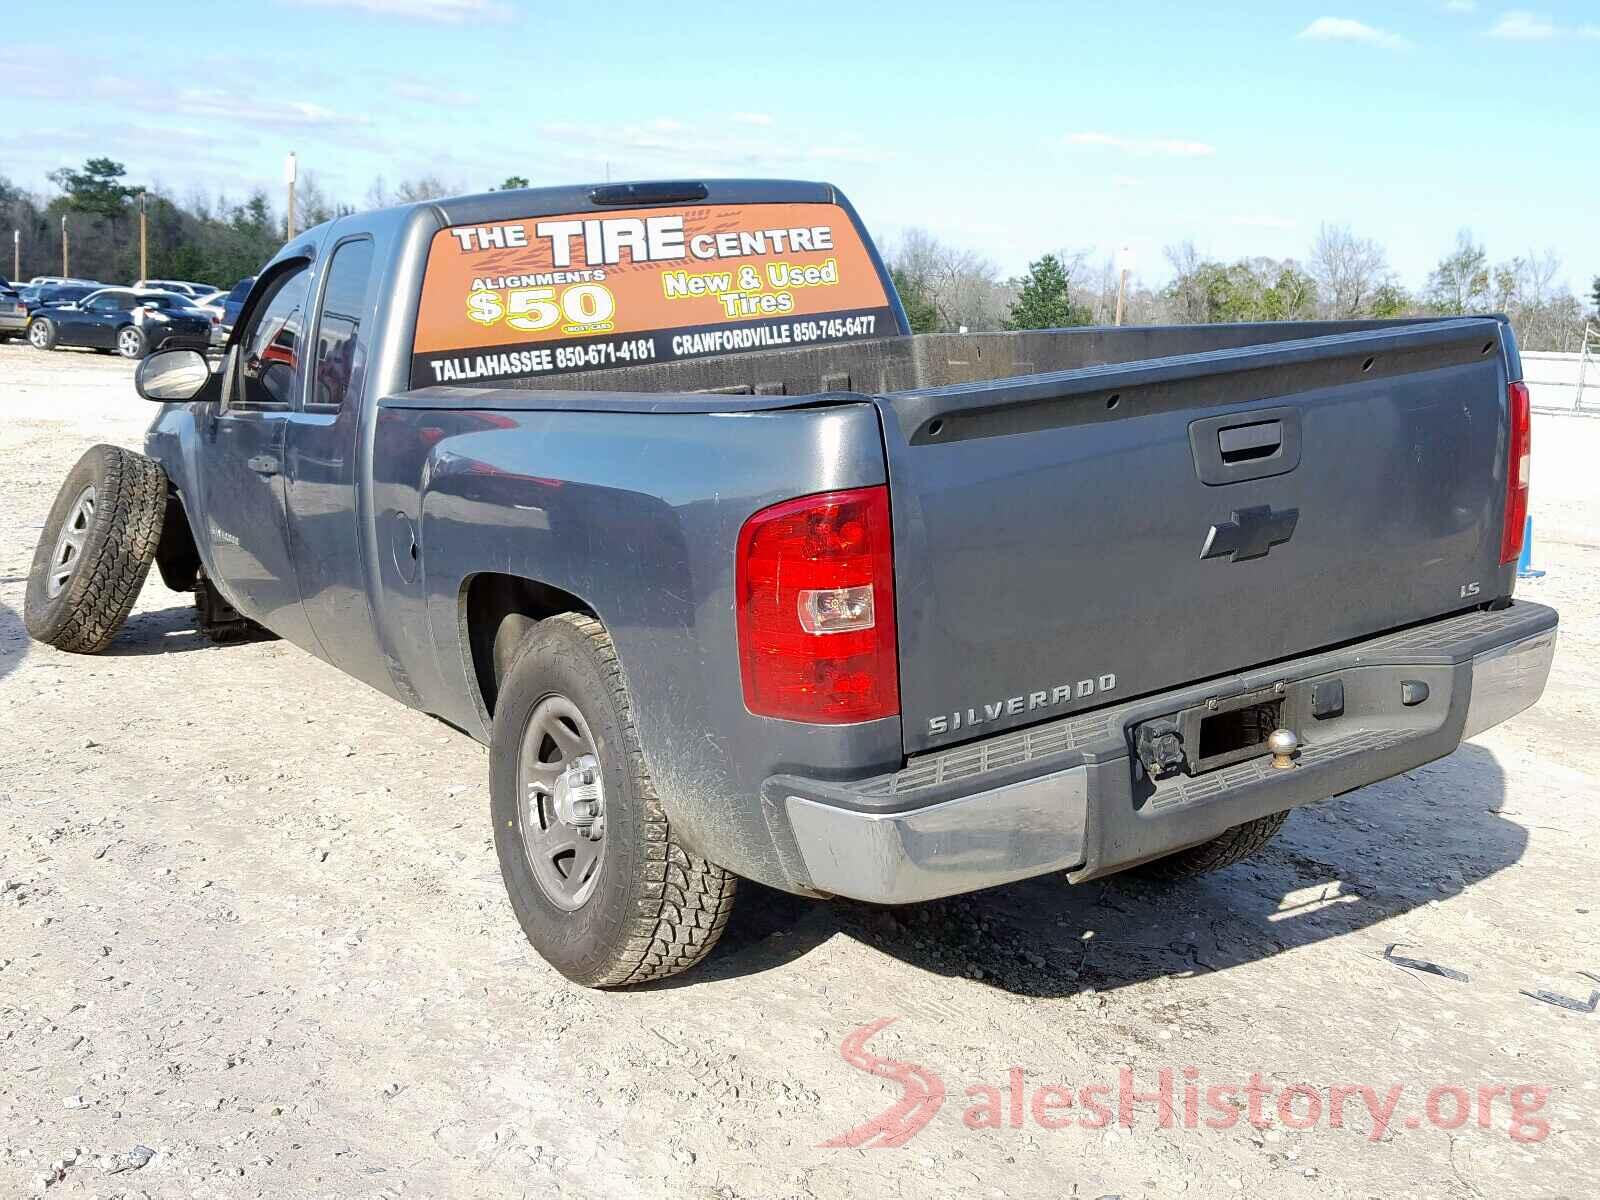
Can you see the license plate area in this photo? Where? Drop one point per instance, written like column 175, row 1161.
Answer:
column 1234, row 730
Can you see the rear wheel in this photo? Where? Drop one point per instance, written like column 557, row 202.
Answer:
column 1233, row 846
column 132, row 342
column 42, row 333
column 599, row 883
column 96, row 549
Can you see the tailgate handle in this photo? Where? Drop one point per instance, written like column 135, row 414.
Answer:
column 1257, row 443
column 1245, row 443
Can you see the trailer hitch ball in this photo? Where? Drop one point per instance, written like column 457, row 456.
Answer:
column 1284, row 746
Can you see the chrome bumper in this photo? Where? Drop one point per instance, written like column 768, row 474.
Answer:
column 1069, row 795
column 988, row 838
column 1507, row 680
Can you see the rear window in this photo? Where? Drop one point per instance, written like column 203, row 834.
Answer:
column 585, row 291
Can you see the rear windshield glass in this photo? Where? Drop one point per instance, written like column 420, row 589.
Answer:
column 584, row 291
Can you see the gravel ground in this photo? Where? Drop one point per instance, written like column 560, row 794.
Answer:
column 253, row 943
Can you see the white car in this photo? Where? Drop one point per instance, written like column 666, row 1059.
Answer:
column 211, row 305
column 181, row 287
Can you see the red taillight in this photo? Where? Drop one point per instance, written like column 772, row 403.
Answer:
column 1519, row 464
column 815, row 595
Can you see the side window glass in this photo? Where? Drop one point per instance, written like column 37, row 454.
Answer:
column 271, row 346
column 341, row 336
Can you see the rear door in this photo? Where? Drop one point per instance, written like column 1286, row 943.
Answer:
column 1070, row 540
column 323, row 436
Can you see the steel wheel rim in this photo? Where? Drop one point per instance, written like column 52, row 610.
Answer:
column 561, row 803
column 69, row 545
column 128, row 343
column 38, row 334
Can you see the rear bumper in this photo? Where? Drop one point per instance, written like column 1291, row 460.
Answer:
column 13, row 322
column 1071, row 795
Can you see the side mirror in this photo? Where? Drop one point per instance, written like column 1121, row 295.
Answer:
column 172, row 376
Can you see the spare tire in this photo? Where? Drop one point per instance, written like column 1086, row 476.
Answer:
column 96, row 549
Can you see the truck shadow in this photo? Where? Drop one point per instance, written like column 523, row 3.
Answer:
column 1336, row 868
column 13, row 640
column 162, row 631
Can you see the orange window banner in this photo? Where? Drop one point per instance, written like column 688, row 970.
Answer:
column 584, row 291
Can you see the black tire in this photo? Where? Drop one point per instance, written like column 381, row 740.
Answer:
column 132, row 342
column 656, row 907
column 42, row 333
column 1224, row 850
column 82, row 584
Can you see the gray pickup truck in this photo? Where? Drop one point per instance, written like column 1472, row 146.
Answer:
column 648, row 487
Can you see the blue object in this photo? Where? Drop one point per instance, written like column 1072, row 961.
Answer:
column 1525, row 568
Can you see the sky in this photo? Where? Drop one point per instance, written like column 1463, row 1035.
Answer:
column 1010, row 127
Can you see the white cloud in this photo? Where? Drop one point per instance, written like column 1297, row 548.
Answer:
column 1342, row 29
column 421, row 90
column 1520, row 25
column 273, row 114
column 759, row 119
column 1264, row 221
column 700, row 147
column 1143, row 147
column 443, row 12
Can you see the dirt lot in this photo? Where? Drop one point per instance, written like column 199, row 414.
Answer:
column 252, row 937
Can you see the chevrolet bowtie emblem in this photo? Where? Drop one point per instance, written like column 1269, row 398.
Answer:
column 1251, row 533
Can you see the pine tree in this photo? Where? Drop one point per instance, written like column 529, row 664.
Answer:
column 1045, row 301
column 921, row 314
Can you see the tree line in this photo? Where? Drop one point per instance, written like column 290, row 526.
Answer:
column 944, row 287
column 1343, row 277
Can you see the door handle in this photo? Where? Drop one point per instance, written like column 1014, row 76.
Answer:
column 264, row 464
column 1242, row 443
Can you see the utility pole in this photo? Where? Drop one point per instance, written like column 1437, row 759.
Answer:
column 291, row 168
column 16, row 254
column 1124, row 266
column 66, row 272
column 144, row 245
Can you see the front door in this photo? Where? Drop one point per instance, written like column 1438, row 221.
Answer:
column 88, row 324
column 242, row 463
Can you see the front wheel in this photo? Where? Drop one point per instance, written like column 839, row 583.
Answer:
column 42, row 334
column 132, row 342
column 96, row 549
column 599, row 883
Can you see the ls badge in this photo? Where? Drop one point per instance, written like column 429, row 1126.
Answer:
column 1251, row 534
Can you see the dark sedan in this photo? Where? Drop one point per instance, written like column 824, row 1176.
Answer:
column 234, row 301
column 132, row 323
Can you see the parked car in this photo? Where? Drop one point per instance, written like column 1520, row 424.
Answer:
column 210, row 303
column 125, row 320
column 56, row 280
column 180, row 287
column 737, row 578
column 235, row 300
column 13, row 312
column 34, row 298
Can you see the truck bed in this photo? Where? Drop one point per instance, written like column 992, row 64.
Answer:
column 1071, row 526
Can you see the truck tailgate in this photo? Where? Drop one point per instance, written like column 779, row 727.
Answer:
column 1068, row 540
